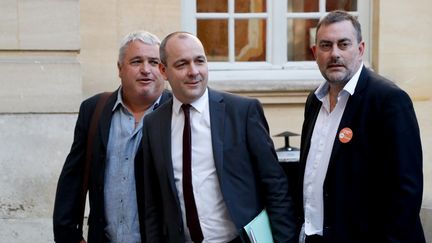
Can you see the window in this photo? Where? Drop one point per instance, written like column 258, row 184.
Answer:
column 249, row 42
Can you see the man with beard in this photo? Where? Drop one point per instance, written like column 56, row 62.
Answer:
column 361, row 174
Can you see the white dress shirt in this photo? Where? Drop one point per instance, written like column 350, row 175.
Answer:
column 317, row 162
column 215, row 221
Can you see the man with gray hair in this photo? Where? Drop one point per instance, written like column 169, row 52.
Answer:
column 115, row 163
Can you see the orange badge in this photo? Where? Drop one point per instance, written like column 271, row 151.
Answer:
column 345, row 135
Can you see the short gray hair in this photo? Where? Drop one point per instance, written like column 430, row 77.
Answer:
column 337, row 16
column 143, row 36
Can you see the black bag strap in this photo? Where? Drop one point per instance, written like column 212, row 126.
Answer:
column 90, row 135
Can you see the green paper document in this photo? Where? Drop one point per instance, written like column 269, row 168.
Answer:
column 258, row 230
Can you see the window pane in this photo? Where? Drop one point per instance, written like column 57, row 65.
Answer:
column 303, row 5
column 250, row 40
column 347, row 5
column 213, row 33
column 250, row 6
column 212, row 6
column 301, row 37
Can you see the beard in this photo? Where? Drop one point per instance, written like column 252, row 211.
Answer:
column 336, row 72
column 338, row 78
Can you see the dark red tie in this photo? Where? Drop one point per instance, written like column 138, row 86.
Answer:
column 188, row 196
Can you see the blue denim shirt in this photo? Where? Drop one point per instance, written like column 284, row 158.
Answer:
column 121, row 210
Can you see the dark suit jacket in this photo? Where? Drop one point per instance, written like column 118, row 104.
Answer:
column 374, row 183
column 66, row 212
column 249, row 174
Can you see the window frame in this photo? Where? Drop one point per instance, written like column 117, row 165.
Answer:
column 276, row 73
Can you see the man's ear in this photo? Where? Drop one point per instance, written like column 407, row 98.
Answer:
column 361, row 48
column 119, row 67
column 313, row 48
column 162, row 70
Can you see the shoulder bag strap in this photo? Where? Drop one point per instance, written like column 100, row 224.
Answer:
column 90, row 135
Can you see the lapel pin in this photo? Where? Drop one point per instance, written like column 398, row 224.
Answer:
column 345, row 135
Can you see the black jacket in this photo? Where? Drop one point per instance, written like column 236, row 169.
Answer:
column 67, row 201
column 248, row 171
column 373, row 187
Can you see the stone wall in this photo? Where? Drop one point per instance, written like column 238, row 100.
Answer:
column 55, row 53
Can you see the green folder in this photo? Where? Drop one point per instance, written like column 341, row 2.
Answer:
column 258, row 230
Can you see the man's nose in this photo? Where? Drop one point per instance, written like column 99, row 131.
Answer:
column 145, row 68
column 193, row 70
column 335, row 51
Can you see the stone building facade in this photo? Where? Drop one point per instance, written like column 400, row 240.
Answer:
column 55, row 53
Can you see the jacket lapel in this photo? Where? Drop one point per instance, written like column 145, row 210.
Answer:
column 310, row 121
column 163, row 126
column 164, row 129
column 313, row 107
column 217, row 116
column 105, row 119
column 349, row 114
